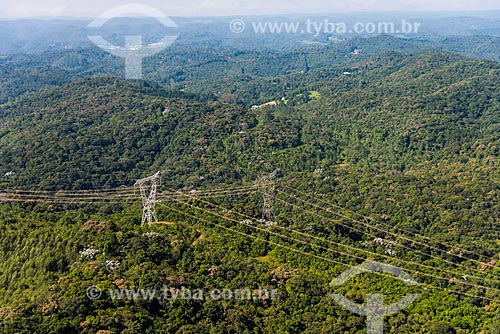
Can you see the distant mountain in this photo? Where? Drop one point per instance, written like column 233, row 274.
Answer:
column 38, row 35
column 212, row 70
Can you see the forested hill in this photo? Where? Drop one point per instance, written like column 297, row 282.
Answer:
column 104, row 132
column 107, row 132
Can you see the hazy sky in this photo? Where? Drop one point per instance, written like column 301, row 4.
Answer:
column 92, row 8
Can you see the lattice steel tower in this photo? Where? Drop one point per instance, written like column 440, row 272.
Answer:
column 148, row 193
column 267, row 187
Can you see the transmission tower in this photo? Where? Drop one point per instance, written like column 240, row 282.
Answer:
column 267, row 187
column 148, row 194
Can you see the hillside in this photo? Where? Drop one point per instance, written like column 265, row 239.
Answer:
column 209, row 68
column 95, row 133
column 406, row 109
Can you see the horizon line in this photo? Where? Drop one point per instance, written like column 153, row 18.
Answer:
column 489, row 12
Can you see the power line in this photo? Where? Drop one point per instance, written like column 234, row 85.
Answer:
column 110, row 198
column 381, row 230
column 106, row 197
column 369, row 252
column 314, row 246
column 389, row 226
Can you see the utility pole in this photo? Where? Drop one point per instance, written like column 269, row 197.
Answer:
column 267, row 187
column 148, row 193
